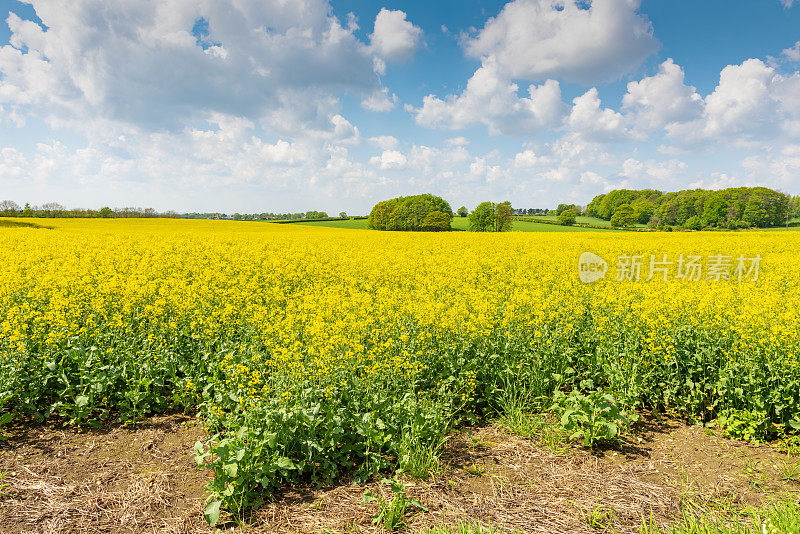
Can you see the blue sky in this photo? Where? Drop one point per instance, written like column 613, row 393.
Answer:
column 274, row 106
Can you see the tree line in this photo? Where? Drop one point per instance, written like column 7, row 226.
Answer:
column 9, row 208
column 429, row 213
column 732, row 208
column 267, row 216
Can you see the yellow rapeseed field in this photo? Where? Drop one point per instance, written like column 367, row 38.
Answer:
column 311, row 351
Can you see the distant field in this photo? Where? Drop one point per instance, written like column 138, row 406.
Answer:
column 461, row 223
column 783, row 229
column 581, row 220
column 353, row 224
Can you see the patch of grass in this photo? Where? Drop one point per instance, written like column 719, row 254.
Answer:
column 351, row 224
column 594, row 221
column 599, row 518
column 580, row 219
column 790, row 472
column 778, row 518
column 420, row 459
column 462, row 223
column 522, row 419
column 462, row 528
column 392, row 513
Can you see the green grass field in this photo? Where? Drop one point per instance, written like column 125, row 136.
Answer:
column 580, row 219
column 353, row 224
column 461, row 223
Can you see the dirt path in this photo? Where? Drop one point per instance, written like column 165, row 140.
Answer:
column 145, row 480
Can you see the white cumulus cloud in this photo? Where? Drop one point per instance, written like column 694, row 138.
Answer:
column 590, row 120
column 566, row 39
column 389, row 159
column 380, row 101
column 146, row 64
column 751, row 104
column 491, row 99
column 394, row 38
column 662, row 99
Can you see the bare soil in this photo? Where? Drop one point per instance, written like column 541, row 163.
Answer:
column 144, row 479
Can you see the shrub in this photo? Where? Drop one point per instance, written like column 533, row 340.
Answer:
column 416, row 213
column 592, row 417
column 567, row 217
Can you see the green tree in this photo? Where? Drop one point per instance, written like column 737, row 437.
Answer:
column 755, row 211
column 106, row 212
column 593, row 209
column 491, row 217
column 436, row 221
column 504, row 217
column 343, row 215
column 564, row 207
column 693, row 223
column 715, row 210
column 482, row 218
column 462, row 211
column 9, row 208
column 407, row 213
column 794, row 207
column 643, row 210
column 623, row 216
column 27, row 211
column 567, row 217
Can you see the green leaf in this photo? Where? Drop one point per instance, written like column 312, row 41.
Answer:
column 6, row 418
column 566, row 417
column 231, row 469
column 285, row 463
column 418, row 504
column 212, row 512
column 612, row 430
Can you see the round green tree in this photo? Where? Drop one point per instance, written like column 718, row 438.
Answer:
column 412, row 213
column 623, row 216
column 566, row 217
